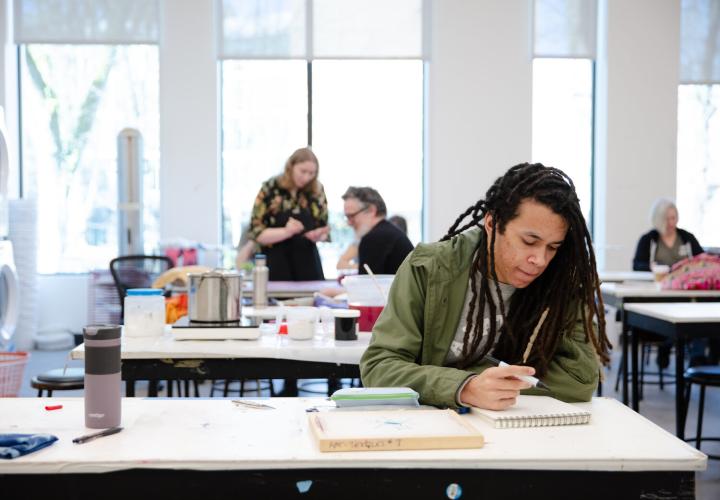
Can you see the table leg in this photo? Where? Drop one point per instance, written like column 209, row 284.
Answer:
column 679, row 385
column 634, row 372
column 153, row 388
column 130, row 388
column 624, row 367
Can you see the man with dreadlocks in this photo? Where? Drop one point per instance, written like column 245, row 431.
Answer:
column 517, row 281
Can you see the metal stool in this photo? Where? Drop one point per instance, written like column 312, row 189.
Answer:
column 54, row 380
column 703, row 376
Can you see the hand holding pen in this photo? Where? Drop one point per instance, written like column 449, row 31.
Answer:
column 527, row 378
column 90, row 437
column 497, row 388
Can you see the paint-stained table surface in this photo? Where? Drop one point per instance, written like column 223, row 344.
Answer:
column 188, row 443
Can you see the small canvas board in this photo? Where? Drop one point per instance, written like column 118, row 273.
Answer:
column 393, row 430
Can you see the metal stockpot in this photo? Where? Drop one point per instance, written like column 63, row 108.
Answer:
column 215, row 296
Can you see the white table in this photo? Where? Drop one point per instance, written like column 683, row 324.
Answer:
column 679, row 321
column 620, row 294
column 291, row 289
column 190, row 448
column 620, row 276
column 270, row 356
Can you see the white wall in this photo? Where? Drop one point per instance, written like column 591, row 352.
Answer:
column 636, row 128
column 63, row 302
column 189, row 123
column 479, row 102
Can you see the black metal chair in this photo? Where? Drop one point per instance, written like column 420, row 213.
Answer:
column 140, row 271
column 136, row 271
column 649, row 342
column 703, row 376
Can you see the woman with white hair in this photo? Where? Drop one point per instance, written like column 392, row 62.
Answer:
column 667, row 243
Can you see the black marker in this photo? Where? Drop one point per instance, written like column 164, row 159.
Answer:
column 90, row 437
column 527, row 378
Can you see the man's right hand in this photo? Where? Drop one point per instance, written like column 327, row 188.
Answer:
column 496, row 388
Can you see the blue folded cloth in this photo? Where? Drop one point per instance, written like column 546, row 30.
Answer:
column 15, row 445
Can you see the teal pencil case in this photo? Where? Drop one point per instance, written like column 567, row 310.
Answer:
column 371, row 396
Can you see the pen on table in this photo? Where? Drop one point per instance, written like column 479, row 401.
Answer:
column 253, row 405
column 527, row 378
column 90, row 437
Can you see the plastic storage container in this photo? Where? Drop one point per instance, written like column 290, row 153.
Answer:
column 368, row 296
column 144, row 313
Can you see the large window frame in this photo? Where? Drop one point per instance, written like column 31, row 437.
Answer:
column 585, row 185
column 102, row 236
column 341, row 233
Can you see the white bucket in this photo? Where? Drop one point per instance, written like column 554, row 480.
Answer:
column 363, row 290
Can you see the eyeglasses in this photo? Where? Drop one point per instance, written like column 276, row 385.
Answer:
column 354, row 214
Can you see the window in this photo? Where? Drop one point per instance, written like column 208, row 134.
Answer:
column 564, row 33
column 366, row 130
column 264, row 119
column 562, row 121
column 698, row 164
column 346, row 78
column 698, row 156
column 69, row 149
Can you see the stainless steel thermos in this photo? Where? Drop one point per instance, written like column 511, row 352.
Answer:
column 260, row 276
column 102, row 376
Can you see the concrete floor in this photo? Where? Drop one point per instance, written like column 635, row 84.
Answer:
column 657, row 405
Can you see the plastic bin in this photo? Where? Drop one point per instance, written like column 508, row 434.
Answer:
column 12, row 366
column 144, row 313
column 368, row 296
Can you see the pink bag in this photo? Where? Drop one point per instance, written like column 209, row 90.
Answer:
column 701, row 272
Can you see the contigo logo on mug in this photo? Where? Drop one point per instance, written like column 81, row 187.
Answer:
column 96, row 415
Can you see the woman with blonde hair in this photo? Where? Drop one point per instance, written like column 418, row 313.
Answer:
column 289, row 217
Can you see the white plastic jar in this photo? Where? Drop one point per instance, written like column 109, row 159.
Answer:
column 144, row 313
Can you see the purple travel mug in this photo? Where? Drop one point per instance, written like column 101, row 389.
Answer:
column 102, row 376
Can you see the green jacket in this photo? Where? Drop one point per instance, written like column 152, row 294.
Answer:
column 412, row 336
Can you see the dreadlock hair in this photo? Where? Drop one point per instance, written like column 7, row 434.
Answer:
column 551, row 302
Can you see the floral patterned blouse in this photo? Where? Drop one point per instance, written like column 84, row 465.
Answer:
column 274, row 205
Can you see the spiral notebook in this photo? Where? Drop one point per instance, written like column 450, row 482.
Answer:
column 535, row 411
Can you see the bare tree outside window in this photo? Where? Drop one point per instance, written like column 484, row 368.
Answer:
column 74, row 102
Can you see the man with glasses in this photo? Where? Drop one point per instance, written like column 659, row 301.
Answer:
column 382, row 245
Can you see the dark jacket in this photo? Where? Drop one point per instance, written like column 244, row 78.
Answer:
column 383, row 249
column 641, row 262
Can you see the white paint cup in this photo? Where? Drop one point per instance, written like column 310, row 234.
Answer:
column 301, row 322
